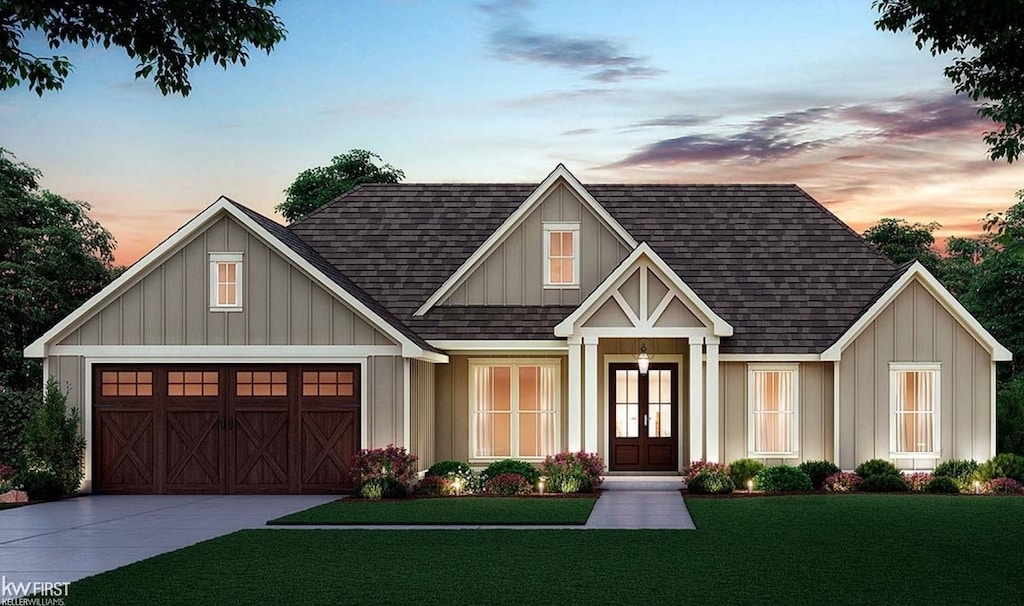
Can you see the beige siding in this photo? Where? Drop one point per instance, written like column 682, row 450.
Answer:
column 914, row 328
column 171, row 304
column 384, row 401
column 422, row 392
column 513, row 274
column 452, row 405
column 815, row 411
column 69, row 372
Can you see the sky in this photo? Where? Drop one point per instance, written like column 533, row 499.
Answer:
column 642, row 92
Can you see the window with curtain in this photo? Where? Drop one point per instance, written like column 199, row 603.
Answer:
column 773, row 410
column 560, row 247
column 914, row 393
column 514, row 408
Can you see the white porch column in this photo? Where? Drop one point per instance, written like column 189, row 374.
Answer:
column 590, row 394
column 711, row 392
column 575, row 387
column 696, row 399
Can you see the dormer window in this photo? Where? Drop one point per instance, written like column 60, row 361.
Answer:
column 561, row 255
column 225, row 281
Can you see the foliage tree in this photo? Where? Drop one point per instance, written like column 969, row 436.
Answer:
column 315, row 187
column 960, row 264
column 167, row 37
column 902, row 241
column 52, row 258
column 1010, row 416
column 53, row 439
column 987, row 37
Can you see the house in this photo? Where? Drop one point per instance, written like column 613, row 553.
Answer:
column 653, row 324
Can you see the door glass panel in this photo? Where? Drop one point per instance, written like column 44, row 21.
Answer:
column 627, row 404
column 659, row 408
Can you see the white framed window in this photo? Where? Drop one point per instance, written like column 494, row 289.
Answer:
column 561, row 255
column 225, row 281
column 914, row 396
column 513, row 408
column 774, row 403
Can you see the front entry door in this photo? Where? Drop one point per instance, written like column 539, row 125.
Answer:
column 643, row 417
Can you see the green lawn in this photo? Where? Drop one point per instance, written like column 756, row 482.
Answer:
column 462, row 510
column 882, row 549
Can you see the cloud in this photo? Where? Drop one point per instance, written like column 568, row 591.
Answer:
column 579, row 131
column 513, row 38
column 671, row 121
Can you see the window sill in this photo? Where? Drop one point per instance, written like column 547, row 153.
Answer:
column 225, row 309
column 485, row 461
column 561, row 287
column 914, row 455
column 773, row 455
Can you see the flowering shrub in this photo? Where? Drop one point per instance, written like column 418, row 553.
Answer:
column 572, row 472
column 918, row 481
column 1004, row 486
column 7, row 474
column 509, row 484
column 383, row 472
column 841, row 482
column 690, row 471
column 459, row 476
column 434, row 486
column 711, row 481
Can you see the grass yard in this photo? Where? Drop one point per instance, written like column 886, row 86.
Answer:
column 881, row 549
column 462, row 510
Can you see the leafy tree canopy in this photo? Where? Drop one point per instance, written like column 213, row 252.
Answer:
column 315, row 187
column 52, row 258
column 902, row 241
column 987, row 37
column 166, row 37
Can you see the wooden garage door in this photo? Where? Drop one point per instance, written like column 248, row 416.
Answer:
column 225, row 428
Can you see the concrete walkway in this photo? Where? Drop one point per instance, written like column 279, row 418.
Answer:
column 68, row 540
column 635, row 503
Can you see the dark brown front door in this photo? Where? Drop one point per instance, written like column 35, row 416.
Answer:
column 643, row 417
column 225, row 429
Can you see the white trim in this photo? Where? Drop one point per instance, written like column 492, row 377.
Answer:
column 944, row 297
column 626, row 309
column 219, row 258
column 931, row 367
column 515, row 219
column 574, row 229
column 770, row 357
column 992, row 416
column 203, row 353
column 572, row 324
column 407, row 403
column 794, row 430
column 835, row 413
column 498, row 345
column 711, row 395
column 575, row 389
column 696, row 400
column 590, row 429
column 222, row 206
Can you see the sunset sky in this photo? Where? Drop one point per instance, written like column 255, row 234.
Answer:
column 709, row 92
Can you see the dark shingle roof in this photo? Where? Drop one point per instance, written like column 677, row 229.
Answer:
column 786, row 273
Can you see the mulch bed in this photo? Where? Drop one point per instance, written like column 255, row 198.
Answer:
column 575, row 495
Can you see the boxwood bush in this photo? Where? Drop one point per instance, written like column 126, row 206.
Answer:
column 1004, row 465
column 783, row 478
column 942, row 485
column 504, row 466
column 960, row 471
column 742, row 470
column 818, row 471
column 884, row 482
column 876, row 467
column 42, row 485
column 711, row 482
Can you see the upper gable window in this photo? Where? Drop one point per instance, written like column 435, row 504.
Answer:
column 561, row 255
column 225, row 281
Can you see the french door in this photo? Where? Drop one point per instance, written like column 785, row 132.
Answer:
column 643, row 417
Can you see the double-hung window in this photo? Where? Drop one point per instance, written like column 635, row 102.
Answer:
column 561, row 255
column 514, row 408
column 225, row 281
column 914, row 405
column 772, row 395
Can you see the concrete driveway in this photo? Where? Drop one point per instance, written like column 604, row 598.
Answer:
column 76, row 538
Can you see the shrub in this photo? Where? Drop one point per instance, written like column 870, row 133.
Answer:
column 383, row 487
column 783, row 478
column 742, row 470
column 509, row 484
column 942, row 485
column 884, row 482
column 572, row 472
column 818, row 471
column 1009, row 416
column 16, row 407
column 918, row 481
column 695, row 467
column 433, row 486
column 8, row 475
column 458, row 475
column 504, row 466
column 52, row 439
column 1004, row 486
column 388, row 462
column 876, row 467
column 43, row 485
column 711, row 481
column 1004, row 465
column 841, row 482
column 960, row 470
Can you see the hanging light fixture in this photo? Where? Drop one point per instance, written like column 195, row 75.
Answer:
column 643, row 361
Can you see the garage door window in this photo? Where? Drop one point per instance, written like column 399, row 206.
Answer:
column 328, row 383
column 127, row 383
column 261, row 383
column 192, row 383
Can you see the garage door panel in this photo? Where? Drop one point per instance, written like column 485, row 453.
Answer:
column 261, row 450
column 126, row 447
column 194, row 451
column 328, row 440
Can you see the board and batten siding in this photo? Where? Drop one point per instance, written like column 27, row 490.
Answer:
column 384, row 401
column 422, row 393
column 815, row 410
column 452, row 404
column 915, row 328
column 513, row 274
column 280, row 304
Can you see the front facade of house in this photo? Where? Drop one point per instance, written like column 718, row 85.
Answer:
column 480, row 322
